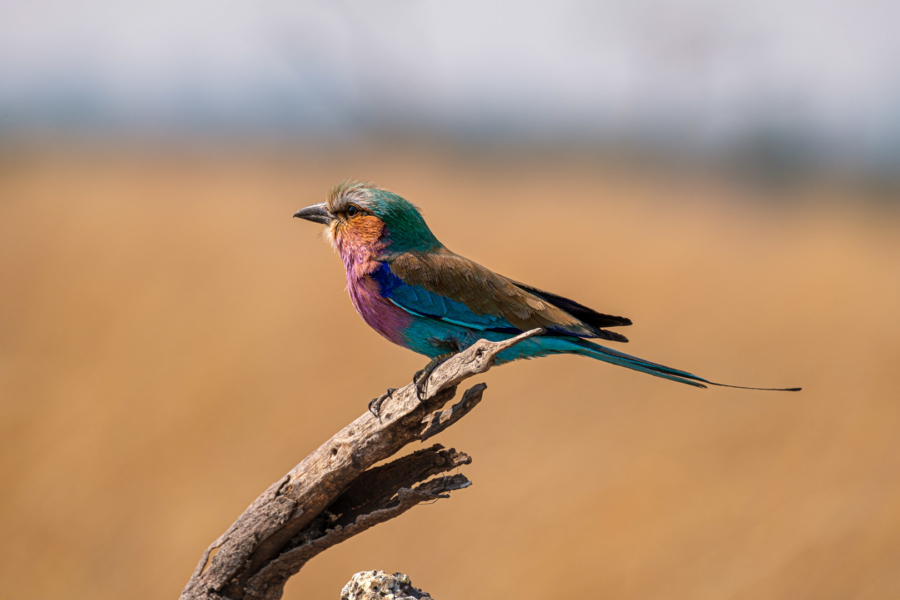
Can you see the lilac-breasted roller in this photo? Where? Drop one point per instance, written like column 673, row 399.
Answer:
column 417, row 293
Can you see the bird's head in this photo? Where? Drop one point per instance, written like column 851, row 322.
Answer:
column 360, row 215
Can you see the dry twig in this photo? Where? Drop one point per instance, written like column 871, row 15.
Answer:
column 335, row 493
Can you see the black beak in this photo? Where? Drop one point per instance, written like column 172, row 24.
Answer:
column 317, row 213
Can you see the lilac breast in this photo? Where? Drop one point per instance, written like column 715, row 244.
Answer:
column 379, row 313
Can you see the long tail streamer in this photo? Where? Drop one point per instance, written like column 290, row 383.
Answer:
column 645, row 366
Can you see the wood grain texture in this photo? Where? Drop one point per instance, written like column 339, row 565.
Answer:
column 336, row 493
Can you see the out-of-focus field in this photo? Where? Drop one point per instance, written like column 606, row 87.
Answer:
column 171, row 342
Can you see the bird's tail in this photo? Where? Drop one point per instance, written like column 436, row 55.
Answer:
column 598, row 352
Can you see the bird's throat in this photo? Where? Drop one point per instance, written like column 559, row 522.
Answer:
column 383, row 316
column 359, row 257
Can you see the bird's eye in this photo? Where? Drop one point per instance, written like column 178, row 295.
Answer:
column 352, row 211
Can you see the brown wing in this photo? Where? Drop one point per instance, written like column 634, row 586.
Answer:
column 580, row 311
column 487, row 293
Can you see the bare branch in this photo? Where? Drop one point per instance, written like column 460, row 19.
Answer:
column 439, row 421
column 335, row 493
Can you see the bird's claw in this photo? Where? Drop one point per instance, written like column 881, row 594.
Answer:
column 375, row 403
column 420, row 379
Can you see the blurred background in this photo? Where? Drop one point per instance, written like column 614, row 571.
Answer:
column 171, row 341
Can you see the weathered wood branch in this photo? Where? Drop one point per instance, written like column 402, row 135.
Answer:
column 336, row 493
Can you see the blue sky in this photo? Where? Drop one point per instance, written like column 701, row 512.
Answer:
column 695, row 73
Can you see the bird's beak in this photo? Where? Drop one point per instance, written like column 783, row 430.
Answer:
column 317, row 213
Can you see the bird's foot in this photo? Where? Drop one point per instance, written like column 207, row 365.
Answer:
column 420, row 379
column 375, row 403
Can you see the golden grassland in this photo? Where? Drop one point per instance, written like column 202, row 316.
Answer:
column 171, row 342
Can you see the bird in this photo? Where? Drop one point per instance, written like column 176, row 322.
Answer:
column 417, row 293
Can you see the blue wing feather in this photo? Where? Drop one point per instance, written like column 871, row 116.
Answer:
column 420, row 302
